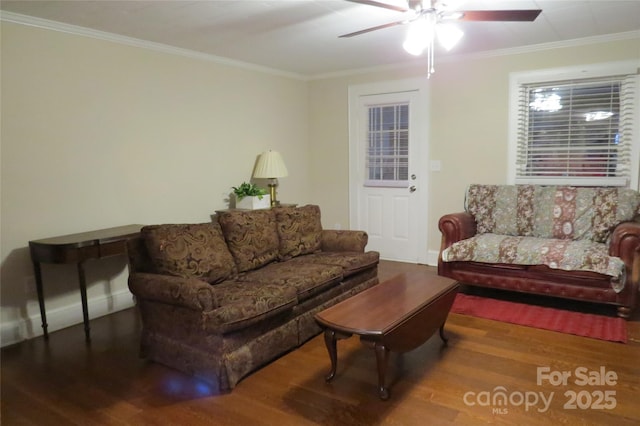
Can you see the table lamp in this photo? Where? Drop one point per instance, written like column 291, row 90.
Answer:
column 270, row 166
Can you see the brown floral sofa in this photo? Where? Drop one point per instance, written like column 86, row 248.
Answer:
column 218, row 300
column 575, row 243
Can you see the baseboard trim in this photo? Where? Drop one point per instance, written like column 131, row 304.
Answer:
column 57, row 319
column 432, row 259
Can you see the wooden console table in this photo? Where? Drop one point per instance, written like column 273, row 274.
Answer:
column 77, row 248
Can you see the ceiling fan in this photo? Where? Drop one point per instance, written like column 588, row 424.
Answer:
column 429, row 19
column 442, row 12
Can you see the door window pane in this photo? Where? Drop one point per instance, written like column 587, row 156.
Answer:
column 387, row 161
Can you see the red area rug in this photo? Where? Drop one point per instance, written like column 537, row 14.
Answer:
column 578, row 323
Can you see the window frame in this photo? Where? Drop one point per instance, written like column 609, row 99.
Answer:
column 398, row 160
column 518, row 79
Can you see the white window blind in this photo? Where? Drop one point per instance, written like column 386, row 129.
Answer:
column 577, row 132
column 387, row 157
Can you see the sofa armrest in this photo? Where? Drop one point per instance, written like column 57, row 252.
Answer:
column 625, row 242
column 343, row 240
column 190, row 293
column 456, row 227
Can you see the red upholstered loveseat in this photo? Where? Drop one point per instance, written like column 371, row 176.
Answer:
column 568, row 242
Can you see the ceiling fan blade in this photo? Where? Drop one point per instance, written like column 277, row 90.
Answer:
column 379, row 27
column 379, row 4
column 500, row 15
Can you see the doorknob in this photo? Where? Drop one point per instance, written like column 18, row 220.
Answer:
column 412, row 188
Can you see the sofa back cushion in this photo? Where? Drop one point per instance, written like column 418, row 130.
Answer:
column 561, row 212
column 501, row 209
column 299, row 229
column 251, row 235
column 189, row 251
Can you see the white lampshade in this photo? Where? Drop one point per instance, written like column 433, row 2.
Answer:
column 448, row 35
column 419, row 35
column 270, row 165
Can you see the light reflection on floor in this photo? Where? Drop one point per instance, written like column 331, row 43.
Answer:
column 185, row 387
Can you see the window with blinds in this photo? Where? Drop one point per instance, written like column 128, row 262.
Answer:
column 387, row 157
column 576, row 132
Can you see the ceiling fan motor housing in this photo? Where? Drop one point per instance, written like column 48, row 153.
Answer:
column 416, row 5
column 431, row 5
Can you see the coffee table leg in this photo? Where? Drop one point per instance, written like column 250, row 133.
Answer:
column 382, row 357
column 444, row 338
column 330, row 342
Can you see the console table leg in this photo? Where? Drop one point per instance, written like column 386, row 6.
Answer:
column 43, row 312
column 382, row 358
column 444, row 338
column 83, row 296
column 332, row 348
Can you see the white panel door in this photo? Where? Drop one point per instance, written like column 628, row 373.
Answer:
column 388, row 168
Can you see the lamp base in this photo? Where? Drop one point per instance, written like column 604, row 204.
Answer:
column 272, row 193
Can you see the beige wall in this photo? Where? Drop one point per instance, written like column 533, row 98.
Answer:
column 97, row 134
column 468, row 117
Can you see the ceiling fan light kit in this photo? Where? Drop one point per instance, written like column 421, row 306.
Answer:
column 429, row 21
column 448, row 35
column 420, row 35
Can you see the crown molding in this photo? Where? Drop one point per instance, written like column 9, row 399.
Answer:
column 164, row 48
column 47, row 24
column 606, row 38
column 629, row 35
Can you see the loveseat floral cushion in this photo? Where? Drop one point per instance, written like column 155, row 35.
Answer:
column 299, row 229
column 580, row 255
column 502, row 209
column 560, row 212
column 251, row 235
column 189, row 251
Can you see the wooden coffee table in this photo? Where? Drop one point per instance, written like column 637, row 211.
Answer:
column 396, row 315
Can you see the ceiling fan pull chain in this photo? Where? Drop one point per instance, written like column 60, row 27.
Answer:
column 432, row 59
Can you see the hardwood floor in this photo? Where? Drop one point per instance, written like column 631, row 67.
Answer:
column 66, row 382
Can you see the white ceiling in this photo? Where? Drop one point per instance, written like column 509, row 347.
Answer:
column 301, row 36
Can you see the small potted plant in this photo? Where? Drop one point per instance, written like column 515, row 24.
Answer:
column 249, row 196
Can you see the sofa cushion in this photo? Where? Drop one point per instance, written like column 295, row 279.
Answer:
column 350, row 262
column 580, row 255
column 241, row 304
column 299, row 229
column 251, row 235
column 189, row 251
column 344, row 240
column 583, row 213
column 308, row 279
column 501, row 209
column 559, row 212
